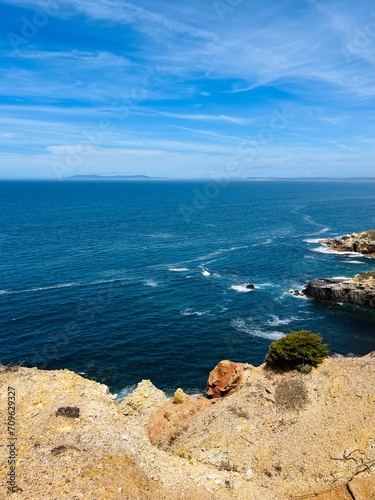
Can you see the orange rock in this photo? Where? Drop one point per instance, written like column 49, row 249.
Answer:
column 362, row 488
column 171, row 419
column 225, row 379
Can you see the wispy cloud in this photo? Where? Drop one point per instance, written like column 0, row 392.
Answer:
column 189, row 86
column 97, row 59
column 199, row 117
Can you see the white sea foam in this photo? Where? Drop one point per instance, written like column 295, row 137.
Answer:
column 276, row 321
column 291, row 294
column 55, row 287
column 241, row 288
column 99, row 282
column 178, row 269
column 325, row 249
column 125, row 392
column 189, row 312
column 325, row 230
column 205, row 273
column 240, row 325
column 266, row 285
column 267, row 242
column 352, row 262
column 41, row 288
column 312, row 240
column 217, row 252
column 151, row 283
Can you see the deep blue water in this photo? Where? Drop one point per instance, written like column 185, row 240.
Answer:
column 110, row 279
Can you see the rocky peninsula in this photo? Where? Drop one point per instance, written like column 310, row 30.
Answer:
column 361, row 242
column 359, row 291
column 277, row 436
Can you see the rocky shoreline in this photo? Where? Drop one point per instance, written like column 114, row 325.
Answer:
column 280, row 436
column 359, row 290
column 362, row 242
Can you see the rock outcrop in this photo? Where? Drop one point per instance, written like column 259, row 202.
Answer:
column 280, row 436
column 359, row 291
column 224, row 379
column 362, row 242
column 292, row 434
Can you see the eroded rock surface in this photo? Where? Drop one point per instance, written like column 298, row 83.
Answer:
column 361, row 242
column 224, row 379
column 308, row 450
column 257, row 443
column 359, row 291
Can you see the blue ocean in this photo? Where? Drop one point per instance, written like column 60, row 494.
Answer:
column 124, row 281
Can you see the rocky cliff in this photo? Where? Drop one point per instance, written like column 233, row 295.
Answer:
column 361, row 242
column 279, row 436
column 359, row 291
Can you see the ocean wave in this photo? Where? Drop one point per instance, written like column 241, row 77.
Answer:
column 189, row 312
column 220, row 251
column 276, row 321
column 178, row 269
column 267, row 284
column 291, row 294
column 55, row 287
column 40, row 289
column 128, row 389
column 312, row 240
column 240, row 324
column 241, row 288
column 325, row 249
column 99, row 282
column 352, row 262
column 151, row 283
column 205, row 273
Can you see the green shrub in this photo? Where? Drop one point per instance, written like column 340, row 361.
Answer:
column 296, row 350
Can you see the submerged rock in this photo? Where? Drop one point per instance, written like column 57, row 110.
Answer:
column 362, row 242
column 359, row 291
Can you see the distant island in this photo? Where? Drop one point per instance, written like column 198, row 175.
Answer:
column 225, row 177
column 95, row 177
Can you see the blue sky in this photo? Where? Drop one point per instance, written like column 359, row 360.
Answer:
column 228, row 88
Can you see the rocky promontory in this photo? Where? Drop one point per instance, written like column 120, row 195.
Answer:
column 361, row 242
column 280, row 436
column 359, row 291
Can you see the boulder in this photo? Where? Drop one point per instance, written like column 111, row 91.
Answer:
column 224, row 379
column 179, row 397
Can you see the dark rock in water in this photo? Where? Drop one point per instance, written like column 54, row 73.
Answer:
column 250, row 286
column 359, row 291
column 362, row 242
column 297, row 293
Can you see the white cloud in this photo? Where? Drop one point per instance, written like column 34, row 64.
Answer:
column 97, row 59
